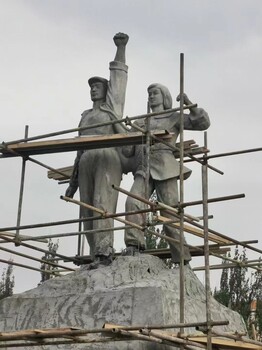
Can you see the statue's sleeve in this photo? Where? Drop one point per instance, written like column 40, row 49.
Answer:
column 116, row 92
column 198, row 120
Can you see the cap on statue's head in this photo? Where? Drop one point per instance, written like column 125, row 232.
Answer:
column 97, row 80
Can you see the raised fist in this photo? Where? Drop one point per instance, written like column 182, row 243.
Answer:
column 121, row 39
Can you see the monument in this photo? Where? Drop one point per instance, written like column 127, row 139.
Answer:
column 135, row 289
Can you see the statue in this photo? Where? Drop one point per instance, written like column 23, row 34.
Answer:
column 96, row 170
column 164, row 168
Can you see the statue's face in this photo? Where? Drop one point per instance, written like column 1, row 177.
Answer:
column 98, row 91
column 155, row 97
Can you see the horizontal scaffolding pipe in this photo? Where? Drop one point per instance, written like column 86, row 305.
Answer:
column 68, row 332
column 42, row 261
column 68, row 131
column 218, row 245
column 187, row 154
column 77, row 233
column 235, row 241
column 106, row 215
column 197, row 225
column 234, row 153
column 10, row 262
column 211, row 252
column 36, row 162
column 213, row 247
column 175, row 211
column 47, row 166
column 66, row 222
column 236, row 263
column 226, row 154
column 37, row 248
column 153, row 205
column 70, row 234
column 214, row 200
column 192, row 222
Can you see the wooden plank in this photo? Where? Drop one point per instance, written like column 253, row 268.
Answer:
column 160, row 253
column 55, row 176
column 68, row 169
column 227, row 343
column 195, row 231
column 189, row 146
column 78, row 143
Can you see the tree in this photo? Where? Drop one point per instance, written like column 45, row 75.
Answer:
column 256, row 295
column 47, row 258
column 238, row 290
column 7, row 282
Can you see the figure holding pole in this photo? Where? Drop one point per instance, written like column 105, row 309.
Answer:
column 164, row 169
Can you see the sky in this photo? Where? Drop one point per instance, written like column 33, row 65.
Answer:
column 50, row 48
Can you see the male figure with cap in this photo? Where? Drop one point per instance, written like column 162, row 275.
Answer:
column 164, row 169
column 96, row 170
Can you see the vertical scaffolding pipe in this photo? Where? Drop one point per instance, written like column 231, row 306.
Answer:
column 181, row 196
column 148, row 140
column 147, row 160
column 21, row 193
column 79, row 241
column 206, row 246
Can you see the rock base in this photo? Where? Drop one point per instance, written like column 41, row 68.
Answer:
column 131, row 291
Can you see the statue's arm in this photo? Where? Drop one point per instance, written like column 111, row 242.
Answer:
column 116, row 91
column 197, row 119
column 73, row 183
column 120, row 40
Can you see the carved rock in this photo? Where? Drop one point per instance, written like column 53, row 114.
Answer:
column 131, row 291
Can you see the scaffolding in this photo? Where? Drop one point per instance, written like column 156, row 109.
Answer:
column 186, row 151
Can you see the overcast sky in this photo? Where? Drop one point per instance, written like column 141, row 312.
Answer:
column 50, row 48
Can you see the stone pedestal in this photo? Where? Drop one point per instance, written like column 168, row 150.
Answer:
column 133, row 290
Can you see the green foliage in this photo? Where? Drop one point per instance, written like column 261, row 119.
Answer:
column 49, row 257
column 151, row 240
column 238, row 290
column 256, row 294
column 7, row 282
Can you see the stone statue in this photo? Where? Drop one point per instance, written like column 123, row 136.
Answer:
column 96, row 170
column 164, row 168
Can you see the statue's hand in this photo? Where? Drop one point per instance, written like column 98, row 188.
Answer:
column 70, row 191
column 121, row 39
column 186, row 99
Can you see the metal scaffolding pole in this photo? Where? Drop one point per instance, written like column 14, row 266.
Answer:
column 126, row 120
column 154, row 208
column 181, row 196
column 206, row 248
column 21, row 193
column 36, row 248
column 36, row 259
